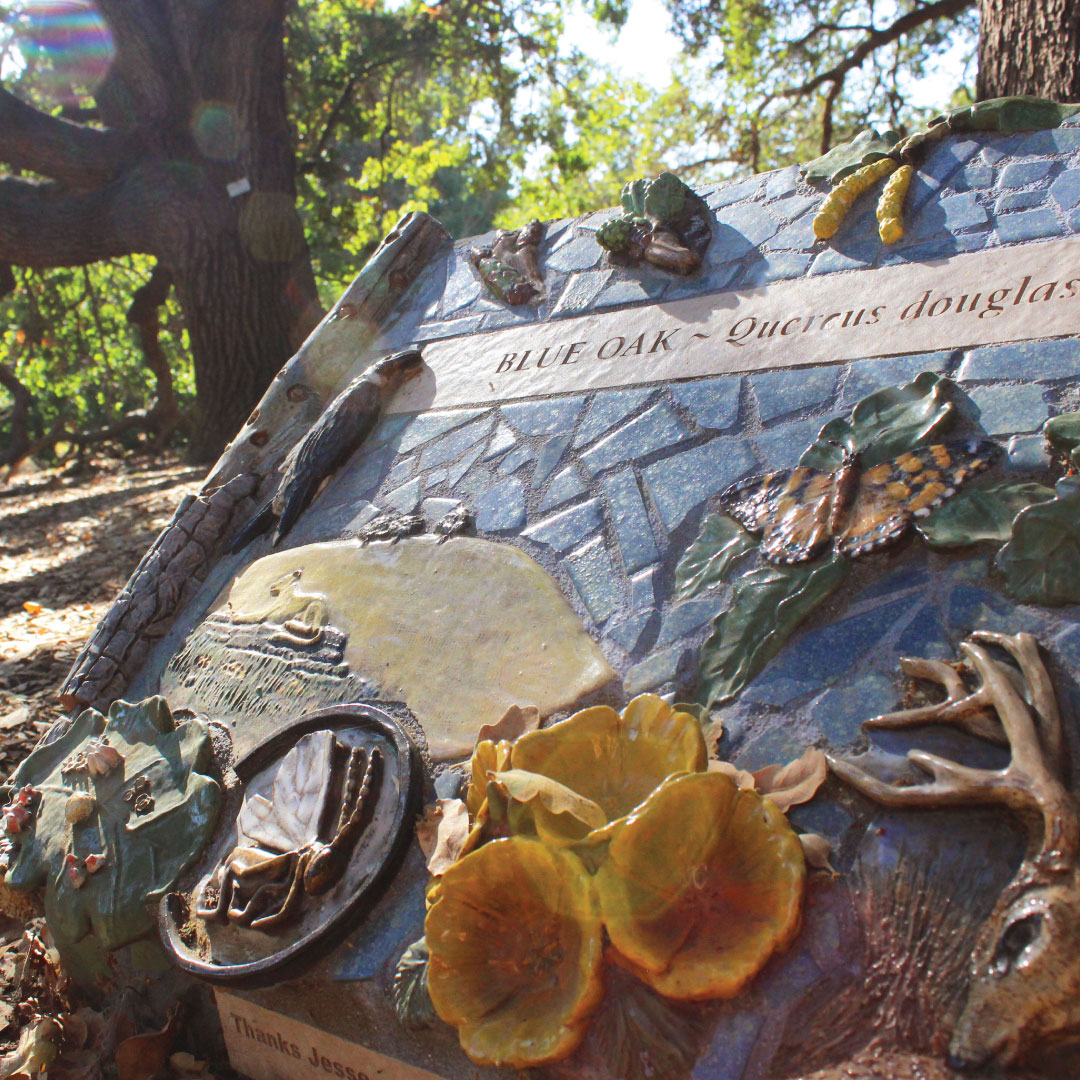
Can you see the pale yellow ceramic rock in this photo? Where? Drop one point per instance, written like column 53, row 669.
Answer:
column 459, row 630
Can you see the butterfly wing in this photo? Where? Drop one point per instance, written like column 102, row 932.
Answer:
column 790, row 509
column 302, row 782
column 911, row 485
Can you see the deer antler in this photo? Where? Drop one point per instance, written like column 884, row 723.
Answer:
column 1027, row 719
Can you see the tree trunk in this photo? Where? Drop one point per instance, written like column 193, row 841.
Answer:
column 1029, row 47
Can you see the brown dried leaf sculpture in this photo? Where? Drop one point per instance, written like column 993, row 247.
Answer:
column 143, row 1056
column 442, row 833
column 794, row 783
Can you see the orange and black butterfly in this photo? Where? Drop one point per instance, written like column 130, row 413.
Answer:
column 799, row 512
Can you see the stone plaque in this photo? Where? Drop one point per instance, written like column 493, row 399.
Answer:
column 267, row 1045
column 991, row 296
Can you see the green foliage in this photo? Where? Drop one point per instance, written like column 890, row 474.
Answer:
column 885, row 424
column 706, row 562
column 412, row 1002
column 983, row 514
column 144, row 853
column 1063, row 434
column 65, row 334
column 769, row 603
column 867, row 147
column 1040, row 560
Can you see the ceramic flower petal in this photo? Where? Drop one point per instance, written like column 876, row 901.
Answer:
column 615, row 761
column 516, row 948
column 701, row 886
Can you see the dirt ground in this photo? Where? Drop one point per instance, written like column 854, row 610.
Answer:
column 68, row 542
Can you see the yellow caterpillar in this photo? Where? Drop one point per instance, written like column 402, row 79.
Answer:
column 839, row 200
column 890, row 207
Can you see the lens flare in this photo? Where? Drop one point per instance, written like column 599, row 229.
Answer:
column 217, row 131
column 65, row 45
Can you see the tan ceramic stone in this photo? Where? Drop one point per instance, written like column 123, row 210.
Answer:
column 459, row 630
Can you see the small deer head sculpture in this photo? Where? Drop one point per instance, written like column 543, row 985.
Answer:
column 1024, row 992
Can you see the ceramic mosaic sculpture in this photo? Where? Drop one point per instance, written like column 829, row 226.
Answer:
column 584, row 604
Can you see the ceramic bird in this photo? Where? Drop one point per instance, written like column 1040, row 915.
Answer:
column 343, row 426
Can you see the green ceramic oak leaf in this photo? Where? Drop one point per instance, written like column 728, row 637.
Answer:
column 767, row 606
column 706, row 561
column 868, row 146
column 1063, row 434
column 412, row 1002
column 885, row 424
column 982, row 514
column 1040, row 560
column 144, row 853
column 1011, row 114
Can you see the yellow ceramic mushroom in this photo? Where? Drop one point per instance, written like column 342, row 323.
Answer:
column 516, row 948
column 701, row 886
column 613, row 760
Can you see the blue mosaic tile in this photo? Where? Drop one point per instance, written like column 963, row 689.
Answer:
column 569, row 528
column 428, row 426
column 1023, row 360
column 972, row 241
column 631, row 522
column 733, row 1039
column 449, row 784
column 716, row 280
column 596, row 220
column 713, row 403
column 754, row 222
column 581, row 253
column 643, row 591
column 507, row 316
column 436, row 509
column 580, row 292
column 627, row 634
column 1028, row 225
column 992, row 154
column 1022, row 173
column 776, row 745
column 402, row 471
column 679, row 483
column 799, row 235
column 455, row 472
column 784, row 391
column 974, row 177
column 727, row 245
column 788, row 978
column 794, row 207
column 501, row 506
column 547, row 460
column 361, row 516
column 1067, row 646
column 1074, row 221
column 782, row 182
column 503, row 439
column 547, row 417
column 1065, row 190
column 630, row 292
column 405, row 497
column 661, row 667
column 826, row 819
column 656, row 429
column 1027, row 452
column 777, row 267
column 830, row 261
column 515, row 459
column 606, row 410
column 962, row 211
column 397, row 920
column 594, row 578
column 947, row 156
column 447, row 328
column 840, row 712
column 732, row 193
column 1005, row 409
column 1019, row 200
column 387, row 430
column 973, row 608
column 782, row 446
column 921, row 190
column 462, row 286
column 866, row 376
column 687, row 617
column 457, row 442
column 565, row 486
column 938, row 248
column 925, row 636
column 1061, row 140
column 434, row 478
